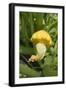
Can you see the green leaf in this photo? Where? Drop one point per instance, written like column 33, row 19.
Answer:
column 52, row 25
column 25, row 70
column 31, row 23
column 50, row 66
column 56, row 48
column 50, row 70
column 27, row 50
column 48, row 60
column 38, row 23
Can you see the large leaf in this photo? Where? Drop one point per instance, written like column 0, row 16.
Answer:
column 50, row 66
column 25, row 70
column 38, row 23
column 27, row 50
column 50, row 70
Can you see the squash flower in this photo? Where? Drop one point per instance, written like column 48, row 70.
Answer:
column 41, row 40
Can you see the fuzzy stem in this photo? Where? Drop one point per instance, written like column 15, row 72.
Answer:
column 41, row 50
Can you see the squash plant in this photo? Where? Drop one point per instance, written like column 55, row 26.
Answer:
column 29, row 23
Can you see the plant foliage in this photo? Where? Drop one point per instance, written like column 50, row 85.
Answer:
column 31, row 22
